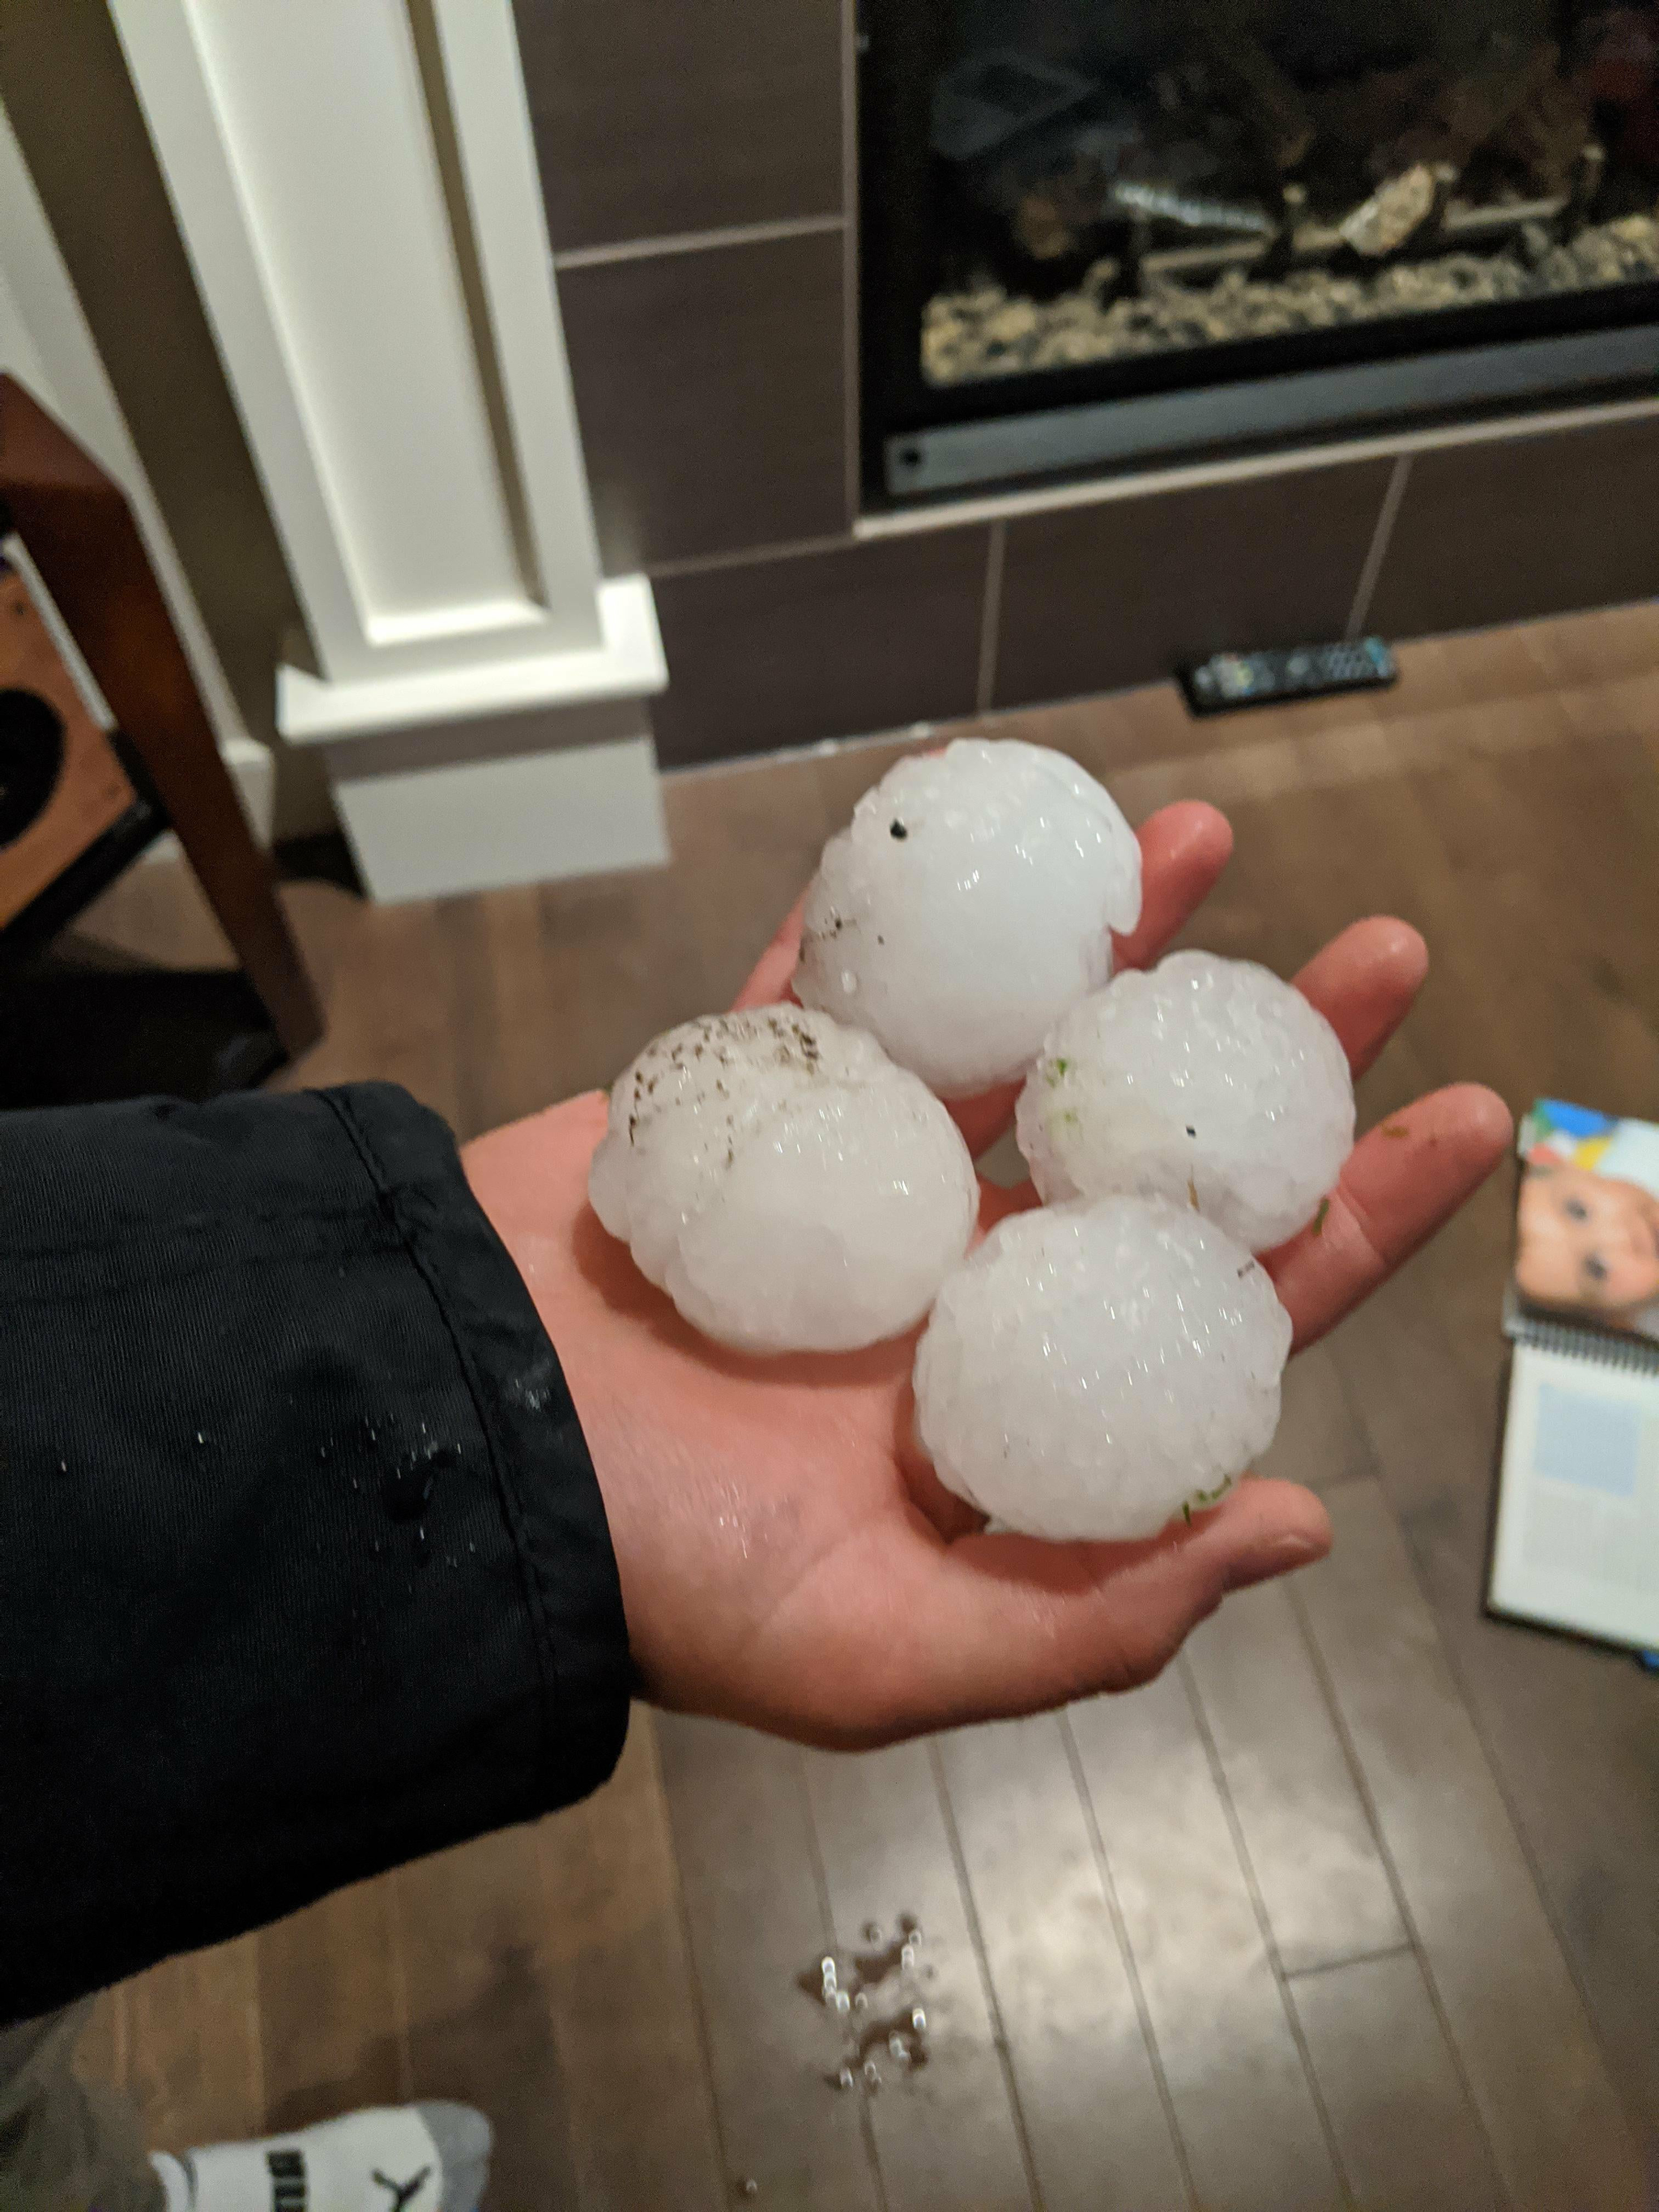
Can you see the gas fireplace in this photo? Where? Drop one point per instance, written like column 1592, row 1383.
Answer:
column 1097, row 233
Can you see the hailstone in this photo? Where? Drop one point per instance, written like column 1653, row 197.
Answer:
column 968, row 903
column 1206, row 1080
column 788, row 1187
column 1094, row 1367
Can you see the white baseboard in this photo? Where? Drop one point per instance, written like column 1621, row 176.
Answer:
column 523, row 817
column 484, row 773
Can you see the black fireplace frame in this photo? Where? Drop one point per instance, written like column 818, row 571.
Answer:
column 899, row 48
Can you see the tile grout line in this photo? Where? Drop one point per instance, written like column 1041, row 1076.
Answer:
column 1511, row 1811
column 827, row 1921
column 683, row 1921
column 1295, row 1974
column 696, row 241
column 851, row 301
column 1120, row 1930
column 976, row 1937
column 123, row 2036
column 1259, row 1907
column 785, row 549
column 257, row 2035
column 1371, row 570
column 1327, row 1688
column 990, row 617
column 397, row 1975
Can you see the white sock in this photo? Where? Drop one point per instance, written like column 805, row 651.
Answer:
column 389, row 2158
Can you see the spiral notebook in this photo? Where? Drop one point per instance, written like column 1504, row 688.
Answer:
column 1577, row 1542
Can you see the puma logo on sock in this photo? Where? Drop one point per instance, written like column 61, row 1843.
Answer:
column 401, row 2190
column 288, row 2181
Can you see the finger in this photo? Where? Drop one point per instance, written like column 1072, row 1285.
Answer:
column 768, row 979
column 1184, row 850
column 1364, row 982
column 1402, row 1183
column 993, row 1626
column 997, row 1201
column 983, row 1119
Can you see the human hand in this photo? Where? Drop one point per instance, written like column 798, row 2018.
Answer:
column 787, row 1557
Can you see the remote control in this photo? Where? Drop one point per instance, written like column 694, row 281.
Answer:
column 1227, row 680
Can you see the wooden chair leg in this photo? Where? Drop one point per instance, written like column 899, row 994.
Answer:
column 82, row 536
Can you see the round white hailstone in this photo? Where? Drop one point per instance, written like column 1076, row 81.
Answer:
column 1207, row 1081
column 1093, row 1368
column 788, row 1187
column 968, row 903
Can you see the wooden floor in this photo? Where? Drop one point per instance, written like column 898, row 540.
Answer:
column 1357, row 1904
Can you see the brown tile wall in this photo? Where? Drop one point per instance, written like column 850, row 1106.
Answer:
column 1497, row 533
column 654, row 119
column 709, row 389
column 786, row 650
column 1097, row 598
column 710, row 382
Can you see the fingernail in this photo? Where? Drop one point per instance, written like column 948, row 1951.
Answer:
column 1280, row 1557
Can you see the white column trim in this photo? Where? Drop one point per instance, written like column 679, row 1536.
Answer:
column 356, row 182
column 625, row 662
column 356, row 185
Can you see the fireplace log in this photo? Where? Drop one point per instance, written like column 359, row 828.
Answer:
column 1588, row 170
column 1244, row 77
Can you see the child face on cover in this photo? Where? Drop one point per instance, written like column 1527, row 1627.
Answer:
column 1586, row 1241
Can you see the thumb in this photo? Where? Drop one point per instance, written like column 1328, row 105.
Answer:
column 993, row 1626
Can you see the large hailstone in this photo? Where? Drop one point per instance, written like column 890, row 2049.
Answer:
column 1094, row 1367
column 968, row 903
column 1206, row 1080
column 788, row 1187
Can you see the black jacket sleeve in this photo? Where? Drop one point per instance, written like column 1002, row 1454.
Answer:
column 303, row 1568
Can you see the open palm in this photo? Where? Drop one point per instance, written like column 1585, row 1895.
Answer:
column 787, row 1557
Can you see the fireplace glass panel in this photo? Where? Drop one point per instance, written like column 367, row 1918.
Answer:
column 1157, row 193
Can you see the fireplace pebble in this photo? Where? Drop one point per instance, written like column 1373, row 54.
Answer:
column 982, row 330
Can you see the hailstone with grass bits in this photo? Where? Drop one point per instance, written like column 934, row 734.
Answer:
column 968, row 903
column 1096, row 1368
column 788, row 1187
column 1204, row 1080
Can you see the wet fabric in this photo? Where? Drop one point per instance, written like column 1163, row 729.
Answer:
column 304, row 1570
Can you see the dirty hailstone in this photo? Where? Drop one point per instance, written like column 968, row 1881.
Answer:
column 1207, row 1081
column 968, row 903
column 1096, row 1368
column 788, row 1187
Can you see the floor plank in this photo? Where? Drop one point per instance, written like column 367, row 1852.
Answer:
column 1317, row 1867
column 1505, row 796
column 946, row 2134
column 195, row 2067
column 331, row 2005
column 1248, row 2122
column 1318, row 1442
column 1527, row 2048
column 1405, row 2131
column 471, row 1927
column 101, row 2054
column 1094, row 2107
column 757, row 1921
column 624, row 2005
